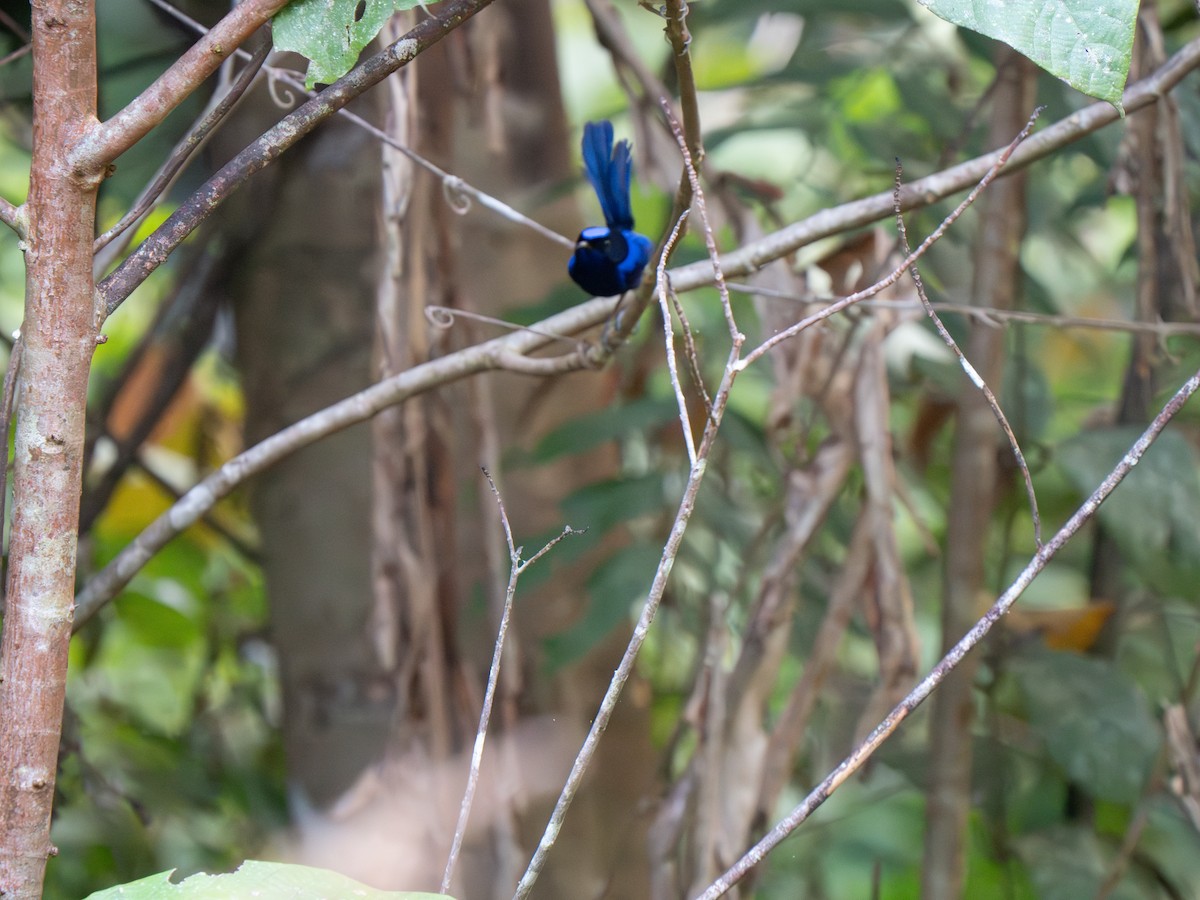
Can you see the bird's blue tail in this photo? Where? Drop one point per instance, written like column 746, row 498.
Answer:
column 609, row 259
column 609, row 169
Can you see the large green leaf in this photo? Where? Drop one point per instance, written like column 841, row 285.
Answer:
column 332, row 33
column 262, row 880
column 1095, row 723
column 589, row 431
column 1154, row 515
column 1085, row 43
column 1068, row 862
column 1170, row 844
column 612, row 589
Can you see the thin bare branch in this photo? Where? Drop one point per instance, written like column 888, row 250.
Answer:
column 687, row 504
column 246, row 548
column 354, row 409
column 14, row 26
column 155, row 250
column 970, row 640
column 447, row 316
column 972, row 372
column 516, row 567
column 1181, row 750
column 689, row 346
column 13, row 217
column 669, row 341
column 675, row 12
column 896, row 273
column 691, row 167
column 459, row 194
column 16, row 54
column 664, row 287
column 625, row 668
column 107, row 140
column 989, row 315
column 926, row 191
column 1121, row 860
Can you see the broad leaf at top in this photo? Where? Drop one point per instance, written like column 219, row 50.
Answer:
column 332, row 33
column 1084, row 42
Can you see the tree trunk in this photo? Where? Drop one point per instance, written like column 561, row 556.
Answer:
column 300, row 243
column 973, row 495
column 59, row 336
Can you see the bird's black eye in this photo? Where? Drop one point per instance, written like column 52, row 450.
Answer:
column 615, row 247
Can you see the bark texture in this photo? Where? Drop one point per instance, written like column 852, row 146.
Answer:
column 59, row 335
column 300, row 243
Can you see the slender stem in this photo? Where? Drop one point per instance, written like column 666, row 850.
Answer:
column 675, row 12
column 669, row 345
column 971, row 371
column 649, row 610
column 516, row 568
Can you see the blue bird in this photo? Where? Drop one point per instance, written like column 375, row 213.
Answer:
column 609, row 259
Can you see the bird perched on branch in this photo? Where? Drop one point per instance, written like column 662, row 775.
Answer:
column 609, row 259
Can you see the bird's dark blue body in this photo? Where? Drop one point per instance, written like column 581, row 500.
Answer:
column 609, row 259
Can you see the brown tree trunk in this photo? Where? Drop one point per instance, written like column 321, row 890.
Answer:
column 973, row 495
column 59, row 335
column 301, row 240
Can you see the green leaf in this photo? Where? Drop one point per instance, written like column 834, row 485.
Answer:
column 608, row 424
column 1085, row 43
column 332, row 33
column 262, row 880
column 155, row 682
column 1068, row 862
column 613, row 588
column 1154, row 515
column 1094, row 722
column 605, row 504
column 1170, row 844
